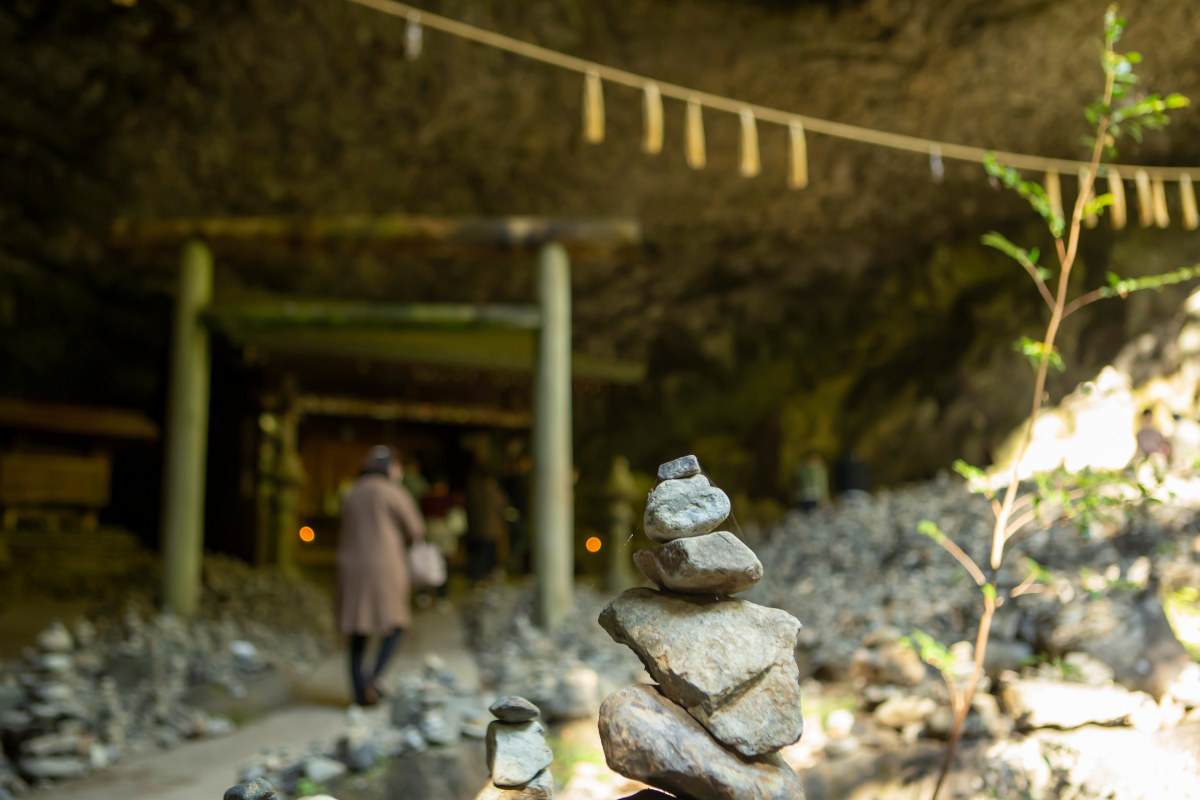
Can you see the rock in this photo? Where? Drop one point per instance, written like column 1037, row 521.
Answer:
column 684, row 467
column 891, row 662
column 540, row 788
column 648, row 794
column 648, row 738
column 253, row 789
column 687, row 507
column 729, row 662
column 577, row 695
column 1185, row 689
column 513, row 709
column 55, row 639
column 516, row 752
column 320, row 769
column 358, row 749
column 900, row 712
column 54, row 663
column 714, row 563
column 53, row 767
column 1037, row 703
column 839, row 724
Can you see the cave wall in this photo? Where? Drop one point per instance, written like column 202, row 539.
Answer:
column 861, row 311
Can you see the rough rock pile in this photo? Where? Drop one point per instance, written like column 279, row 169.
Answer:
column 728, row 693
column 126, row 681
column 428, row 709
column 518, row 757
column 564, row 672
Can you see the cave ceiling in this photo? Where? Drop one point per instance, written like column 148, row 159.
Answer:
column 166, row 108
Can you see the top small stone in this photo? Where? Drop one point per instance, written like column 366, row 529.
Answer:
column 253, row 789
column 55, row 639
column 684, row 467
column 514, row 709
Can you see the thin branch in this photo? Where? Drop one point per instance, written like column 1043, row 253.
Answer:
column 1083, row 300
column 968, row 563
column 1041, row 284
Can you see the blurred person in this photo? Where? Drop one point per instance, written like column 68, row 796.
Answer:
column 1153, row 450
column 852, row 476
column 810, row 482
column 445, row 523
column 414, row 481
column 515, row 483
column 380, row 521
column 486, row 505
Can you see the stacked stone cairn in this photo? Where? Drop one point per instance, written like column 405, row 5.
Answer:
column 727, row 697
column 518, row 757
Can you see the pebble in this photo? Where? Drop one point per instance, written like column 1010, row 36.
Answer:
column 684, row 467
column 513, row 709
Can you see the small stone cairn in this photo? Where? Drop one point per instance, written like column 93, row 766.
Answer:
column 518, row 757
column 727, row 697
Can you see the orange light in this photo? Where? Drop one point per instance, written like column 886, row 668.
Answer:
column 307, row 534
column 592, row 544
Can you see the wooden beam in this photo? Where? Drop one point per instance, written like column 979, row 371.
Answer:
column 112, row 423
column 502, row 350
column 443, row 413
column 451, row 235
column 274, row 314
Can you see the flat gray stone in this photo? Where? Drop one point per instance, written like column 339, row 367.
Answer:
column 54, row 767
column 685, row 507
column 320, row 769
column 648, row 738
column 730, row 663
column 540, row 788
column 514, row 709
column 516, row 752
column 715, row 563
column 684, row 467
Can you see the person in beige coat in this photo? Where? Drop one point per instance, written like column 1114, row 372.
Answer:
column 380, row 521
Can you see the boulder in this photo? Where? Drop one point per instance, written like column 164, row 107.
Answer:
column 1039, row 703
column 900, row 712
column 685, row 507
column 516, row 752
column 715, row 563
column 730, row 663
column 648, row 738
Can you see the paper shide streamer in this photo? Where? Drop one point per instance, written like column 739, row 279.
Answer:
column 694, row 136
column 593, row 109
column 1187, row 201
column 652, row 109
column 1116, row 187
column 750, row 163
column 1054, row 193
column 1159, row 194
column 1145, row 198
column 797, row 155
column 413, row 37
column 1090, row 220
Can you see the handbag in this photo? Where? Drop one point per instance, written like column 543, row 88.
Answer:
column 426, row 565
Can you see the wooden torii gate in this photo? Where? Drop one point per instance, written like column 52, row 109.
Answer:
column 187, row 415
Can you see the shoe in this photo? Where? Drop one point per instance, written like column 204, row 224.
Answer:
column 369, row 697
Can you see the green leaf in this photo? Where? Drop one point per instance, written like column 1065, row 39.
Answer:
column 1037, row 351
column 989, row 591
column 1097, row 204
column 930, row 529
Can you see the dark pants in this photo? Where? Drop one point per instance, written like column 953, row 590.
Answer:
column 481, row 558
column 358, row 646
